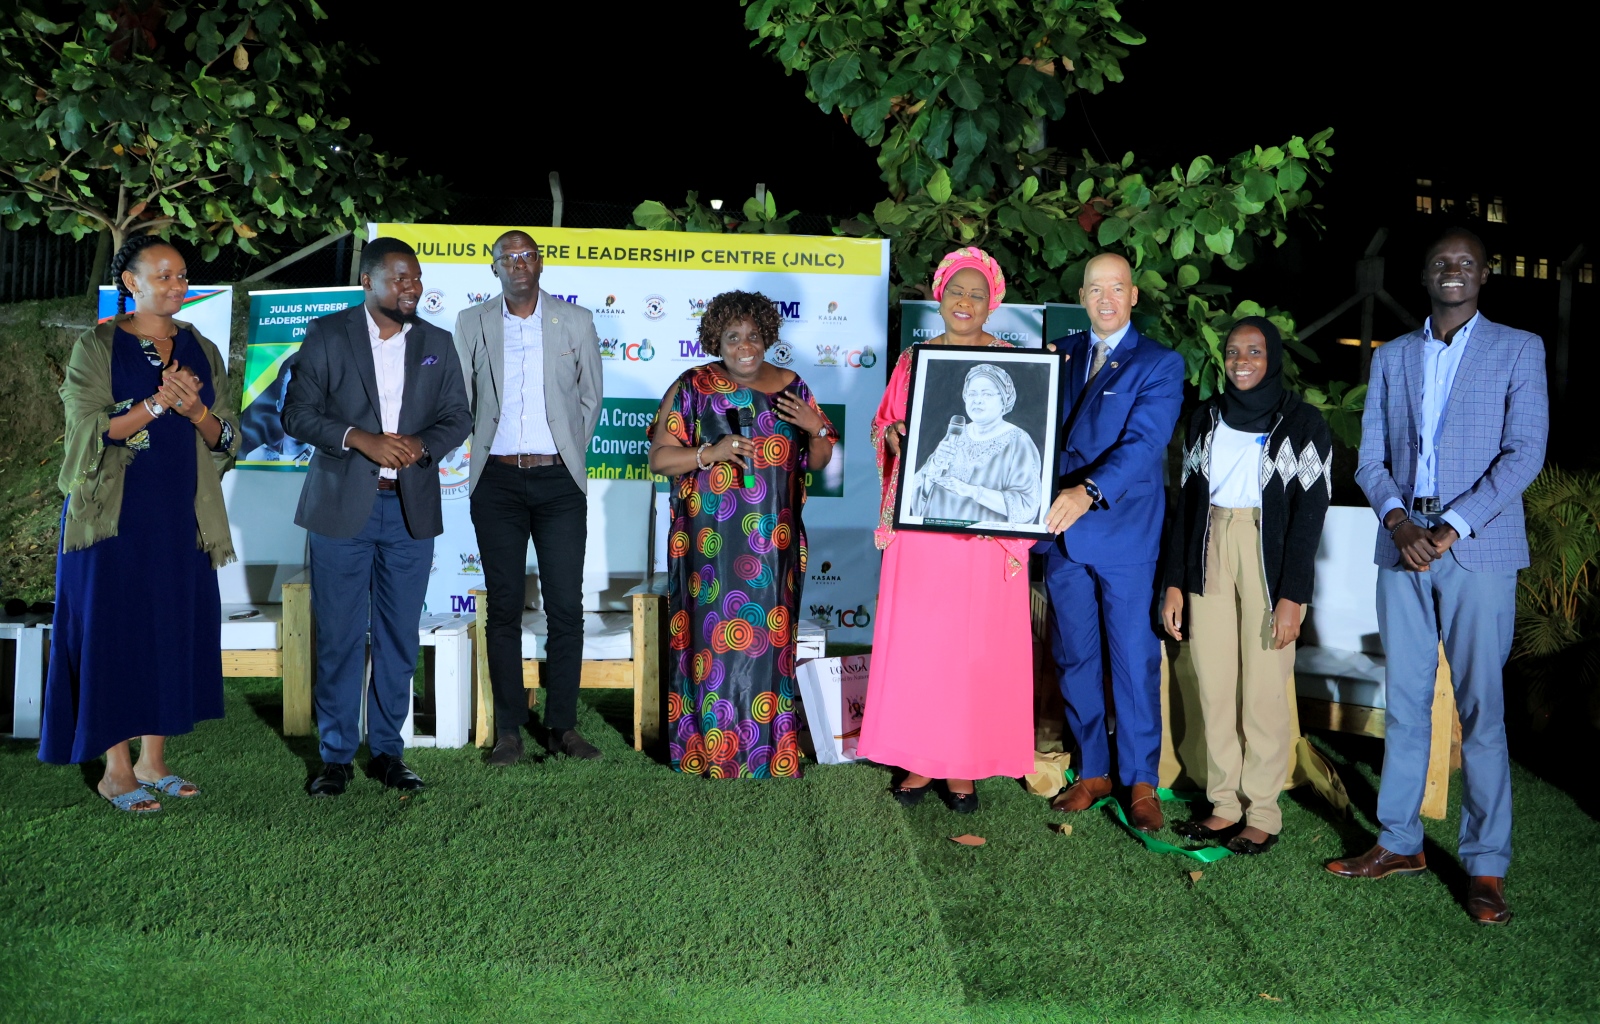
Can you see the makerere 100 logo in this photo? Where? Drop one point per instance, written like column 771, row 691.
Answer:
column 634, row 352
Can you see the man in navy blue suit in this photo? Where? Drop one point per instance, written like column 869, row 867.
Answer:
column 1123, row 395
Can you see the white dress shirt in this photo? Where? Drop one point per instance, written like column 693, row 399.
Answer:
column 1440, row 361
column 1235, row 470
column 524, row 427
column 389, row 364
column 1111, row 346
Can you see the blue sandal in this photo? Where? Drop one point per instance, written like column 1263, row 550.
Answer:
column 170, row 785
column 126, row 801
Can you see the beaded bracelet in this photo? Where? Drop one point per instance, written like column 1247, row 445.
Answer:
column 699, row 452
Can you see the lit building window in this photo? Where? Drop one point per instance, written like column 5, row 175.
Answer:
column 1425, row 182
column 1424, row 204
column 1445, row 205
column 1541, row 270
column 1497, row 264
column 1474, row 207
column 1521, row 267
column 1586, row 274
column 1497, row 211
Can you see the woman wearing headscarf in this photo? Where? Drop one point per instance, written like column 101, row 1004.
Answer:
column 987, row 471
column 1257, row 478
column 950, row 690
column 136, row 645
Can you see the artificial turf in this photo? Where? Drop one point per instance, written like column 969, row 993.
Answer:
column 616, row 890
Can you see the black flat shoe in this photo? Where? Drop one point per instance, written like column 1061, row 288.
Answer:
column 911, row 796
column 1244, row 847
column 393, row 773
column 568, row 742
column 332, row 780
column 1201, row 834
column 962, row 803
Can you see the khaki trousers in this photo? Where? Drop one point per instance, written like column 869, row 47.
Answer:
column 1242, row 682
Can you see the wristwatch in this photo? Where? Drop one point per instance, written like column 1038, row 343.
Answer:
column 1093, row 492
column 826, row 431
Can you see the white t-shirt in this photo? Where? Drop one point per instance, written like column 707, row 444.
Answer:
column 1235, row 471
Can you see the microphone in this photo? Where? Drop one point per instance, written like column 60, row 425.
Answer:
column 747, row 430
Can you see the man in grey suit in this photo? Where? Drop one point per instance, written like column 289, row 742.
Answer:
column 1453, row 433
column 532, row 365
column 378, row 393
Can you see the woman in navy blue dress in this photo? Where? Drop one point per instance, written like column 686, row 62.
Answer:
column 135, row 650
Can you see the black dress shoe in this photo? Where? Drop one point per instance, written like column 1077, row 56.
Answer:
column 507, row 750
column 568, row 742
column 332, row 780
column 1200, row 833
column 392, row 772
column 1249, row 848
column 962, row 803
column 911, row 796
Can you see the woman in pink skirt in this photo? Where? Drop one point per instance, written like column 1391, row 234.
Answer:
column 950, row 693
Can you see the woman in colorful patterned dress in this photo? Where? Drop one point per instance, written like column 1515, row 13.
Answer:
column 739, row 436
column 950, row 691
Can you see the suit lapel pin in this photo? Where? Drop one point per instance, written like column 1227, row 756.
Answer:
column 554, row 320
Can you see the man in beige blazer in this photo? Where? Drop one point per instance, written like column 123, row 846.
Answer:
column 532, row 364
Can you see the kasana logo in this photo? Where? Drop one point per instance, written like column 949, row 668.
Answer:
column 611, row 308
column 833, row 316
column 655, row 307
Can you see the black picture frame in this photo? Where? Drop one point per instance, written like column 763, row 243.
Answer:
column 975, row 447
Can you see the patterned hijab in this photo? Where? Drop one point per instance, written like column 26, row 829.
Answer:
column 977, row 259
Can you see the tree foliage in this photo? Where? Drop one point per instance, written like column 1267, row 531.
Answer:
column 206, row 120
column 1558, row 595
column 956, row 94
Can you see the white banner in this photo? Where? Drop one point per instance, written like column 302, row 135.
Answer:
column 648, row 291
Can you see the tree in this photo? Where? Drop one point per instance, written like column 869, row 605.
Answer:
column 956, row 95
column 205, row 120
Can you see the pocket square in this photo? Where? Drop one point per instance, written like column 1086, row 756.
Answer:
column 430, row 360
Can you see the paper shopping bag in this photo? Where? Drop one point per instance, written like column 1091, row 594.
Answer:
column 834, row 693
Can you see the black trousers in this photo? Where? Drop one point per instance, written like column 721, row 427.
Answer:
column 509, row 506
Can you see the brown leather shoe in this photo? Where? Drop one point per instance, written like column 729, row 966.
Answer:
column 1081, row 795
column 1486, row 900
column 1144, row 808
column 1379, row 863
column 507, row 750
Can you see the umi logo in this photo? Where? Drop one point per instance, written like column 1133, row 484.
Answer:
column 787, row 310
column 463, row 604
column 690, row 350
column 565, row 298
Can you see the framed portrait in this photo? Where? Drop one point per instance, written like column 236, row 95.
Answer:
column 983, row 432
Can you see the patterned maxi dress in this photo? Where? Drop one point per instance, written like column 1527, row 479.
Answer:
column 737, row 564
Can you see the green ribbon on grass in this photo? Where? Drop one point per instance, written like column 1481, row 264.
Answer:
column 1203, row 854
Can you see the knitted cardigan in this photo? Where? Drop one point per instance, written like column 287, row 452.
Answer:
column 1296, row 486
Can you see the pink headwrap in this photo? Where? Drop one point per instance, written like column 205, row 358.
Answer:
column 977, row 259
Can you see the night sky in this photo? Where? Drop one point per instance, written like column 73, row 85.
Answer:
column 669, row 103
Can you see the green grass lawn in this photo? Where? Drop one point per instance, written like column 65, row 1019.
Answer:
column 619, row 891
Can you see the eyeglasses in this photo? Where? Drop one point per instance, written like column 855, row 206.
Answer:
column 512, row 259
column 976, row 296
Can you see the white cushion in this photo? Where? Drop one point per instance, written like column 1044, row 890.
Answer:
column 1344, row 677
column 253, row 634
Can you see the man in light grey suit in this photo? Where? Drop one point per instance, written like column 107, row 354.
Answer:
column 377, row 392
column 532, row 365
column 1454, row 431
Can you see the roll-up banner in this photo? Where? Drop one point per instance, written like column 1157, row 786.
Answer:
column 648, row 291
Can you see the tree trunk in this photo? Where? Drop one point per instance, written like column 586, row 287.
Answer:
column 102, row 258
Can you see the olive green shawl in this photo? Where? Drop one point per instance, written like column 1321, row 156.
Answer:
column 93, row 472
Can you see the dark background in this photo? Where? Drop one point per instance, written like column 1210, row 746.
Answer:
column 943, row 380
column 1467, row 99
